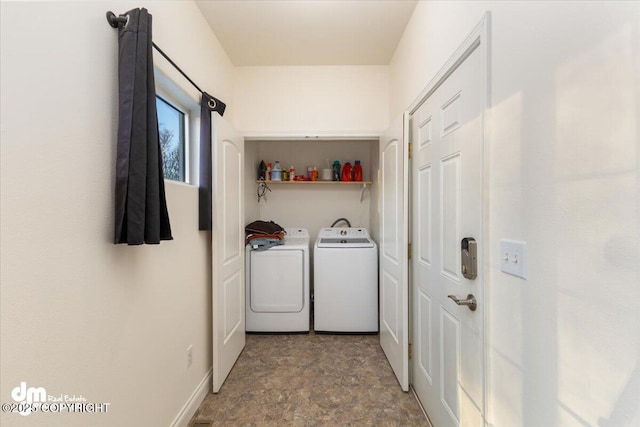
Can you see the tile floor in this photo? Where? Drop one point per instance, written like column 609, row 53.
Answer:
column 310, row 380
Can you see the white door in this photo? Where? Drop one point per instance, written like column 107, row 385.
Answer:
column 446, row 177
column 228, row 303
column 394, row 293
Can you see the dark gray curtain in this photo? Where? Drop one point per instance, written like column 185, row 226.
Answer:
column 140, row 205
column 208, row 104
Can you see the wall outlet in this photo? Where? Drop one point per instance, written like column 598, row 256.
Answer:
column 513, row 257
column 189, row 356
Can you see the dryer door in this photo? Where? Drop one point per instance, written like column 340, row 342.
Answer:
column 277, row 281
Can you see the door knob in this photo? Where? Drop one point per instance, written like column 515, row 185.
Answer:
column 469, row 302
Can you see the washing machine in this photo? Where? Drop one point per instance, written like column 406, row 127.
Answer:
column 345, row 281
column 277, row 285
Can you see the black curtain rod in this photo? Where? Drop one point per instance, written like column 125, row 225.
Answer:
column 155, row 46
column 116, row 21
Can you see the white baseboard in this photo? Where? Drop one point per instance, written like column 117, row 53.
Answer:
column 192, row 405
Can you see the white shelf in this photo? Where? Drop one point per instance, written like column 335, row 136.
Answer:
column 317, row 182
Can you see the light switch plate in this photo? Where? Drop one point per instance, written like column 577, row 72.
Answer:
column 513, row 257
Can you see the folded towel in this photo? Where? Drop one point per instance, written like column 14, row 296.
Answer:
column 262, row 244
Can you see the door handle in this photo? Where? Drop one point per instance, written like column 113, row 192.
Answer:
column 469, row 302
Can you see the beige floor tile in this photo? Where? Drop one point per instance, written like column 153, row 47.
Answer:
column 311, row 380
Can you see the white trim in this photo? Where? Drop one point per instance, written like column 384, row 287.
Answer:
column 406, row 238
column 194, row 401
column 312, row 136
column 166, row 84
column 179, row 183
column 415, row 396
column 472, row 41
column 479, row 38
column 485, row 50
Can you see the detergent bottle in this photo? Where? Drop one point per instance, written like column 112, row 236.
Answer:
column 357, row 171
column 346, row 172
column 335, row 175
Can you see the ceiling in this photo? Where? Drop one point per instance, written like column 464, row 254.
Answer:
column 308, row 32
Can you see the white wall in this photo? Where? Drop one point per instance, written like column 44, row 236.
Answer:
column 311, row 99
column 292, row 100
column 80, row 315
column 565, row 177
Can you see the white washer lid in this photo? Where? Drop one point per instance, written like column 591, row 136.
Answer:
column 344, row 232
column 342, row 237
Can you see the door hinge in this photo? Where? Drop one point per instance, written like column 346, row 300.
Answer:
column 409, row 251
column 410, row 149
column 410, row 351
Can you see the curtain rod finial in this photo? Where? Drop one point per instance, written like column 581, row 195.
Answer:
column 115, row 21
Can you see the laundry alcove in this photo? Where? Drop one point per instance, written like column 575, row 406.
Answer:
column 313, row 205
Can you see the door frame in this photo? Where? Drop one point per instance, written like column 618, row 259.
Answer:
column 478, row 38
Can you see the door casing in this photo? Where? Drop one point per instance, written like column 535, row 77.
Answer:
column 478, row 38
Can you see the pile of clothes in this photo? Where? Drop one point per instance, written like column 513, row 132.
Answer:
column 262, row 235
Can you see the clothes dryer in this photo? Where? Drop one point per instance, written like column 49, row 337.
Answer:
column 277, row 285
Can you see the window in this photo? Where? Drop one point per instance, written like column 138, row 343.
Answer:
column 171, row 126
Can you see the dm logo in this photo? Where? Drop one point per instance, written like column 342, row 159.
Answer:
column 22, row 394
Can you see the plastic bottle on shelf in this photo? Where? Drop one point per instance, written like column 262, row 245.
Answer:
column 262, row 170
column 346, row 172
column 292, row 173
column 357, row 171
column 276, row 172
column 268, row 173
column 335, row 175
column 315, row 174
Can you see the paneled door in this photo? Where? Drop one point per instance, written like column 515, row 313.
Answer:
column 446, row 177
column 227, row 236
column 394, row 284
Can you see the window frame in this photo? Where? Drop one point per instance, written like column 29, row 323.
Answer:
column 187, row 101
column 186, row 127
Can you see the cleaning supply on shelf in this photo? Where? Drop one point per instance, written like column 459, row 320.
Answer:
column 276, row 172
column 292, row 173
column 336, row 171
column 315, row 174
column 346, row 172
column 262, row 170
column 357, row 171
column 326, row 174
column 268, row 173
column 310, row 172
